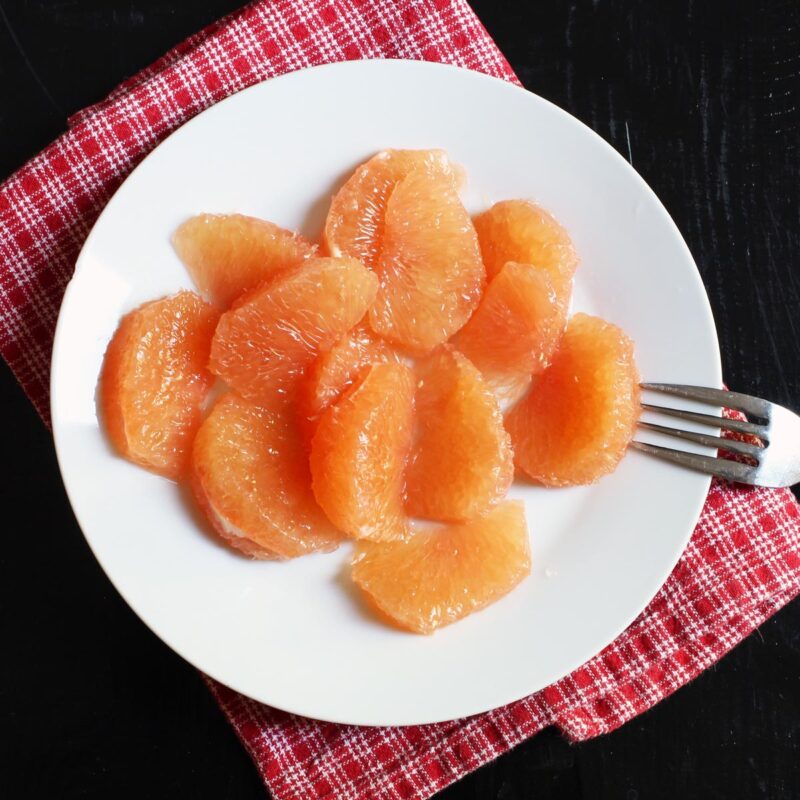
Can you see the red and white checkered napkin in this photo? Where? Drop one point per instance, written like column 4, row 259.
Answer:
column 743, row 561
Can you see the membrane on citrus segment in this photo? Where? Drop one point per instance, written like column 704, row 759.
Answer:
column 355, row 221
column 516, row 328
column 250, row 476
column 521, row 231
column 442, row 574
column 229, row 254
column 579, row 415
column 263, row 345
column 154, row 381
column 359, row 453
column 429, row 266
column 334, row 371
column 461, row 463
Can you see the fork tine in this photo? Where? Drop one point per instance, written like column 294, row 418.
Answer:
column 721, row 467
column 731, row 445
column 709, row 419
column 717, row 397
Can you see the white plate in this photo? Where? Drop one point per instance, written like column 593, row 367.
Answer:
column 292, row 635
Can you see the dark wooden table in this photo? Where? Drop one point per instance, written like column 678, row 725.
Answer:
column 705, row 99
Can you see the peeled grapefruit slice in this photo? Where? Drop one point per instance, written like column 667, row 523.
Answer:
column 443, row 574
column 250, row 476
column 154, row 381
column 576, row 421
column 521, row 231
column 354, row 226
column 461, row 462
column 336, row 370
column 264, row 344
column 359, row 453
column 515, row 330
column 228, row 254
column 429, row 266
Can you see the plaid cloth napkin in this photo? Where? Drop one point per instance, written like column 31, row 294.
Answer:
column 742, row 563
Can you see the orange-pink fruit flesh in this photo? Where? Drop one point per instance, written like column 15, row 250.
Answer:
column 429, row 266
column 336, row 370
column 355, row 221
column 442, row 574
column 229, row 254
column 579, row 415
column 516, row 328
column 461, row 463
column 521, row 231
column 264, row 344
column 359, row 454
column 154, row 381
column 250, row 475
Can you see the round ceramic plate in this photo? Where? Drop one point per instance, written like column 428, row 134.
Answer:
column 293, row 635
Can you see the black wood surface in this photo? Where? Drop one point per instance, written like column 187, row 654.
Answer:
column 704, row 99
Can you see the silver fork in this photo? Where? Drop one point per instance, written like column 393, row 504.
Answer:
column 777, row 458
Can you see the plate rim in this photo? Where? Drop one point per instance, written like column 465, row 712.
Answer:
column 356, row 65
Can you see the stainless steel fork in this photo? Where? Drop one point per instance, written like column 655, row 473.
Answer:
column 776, row 459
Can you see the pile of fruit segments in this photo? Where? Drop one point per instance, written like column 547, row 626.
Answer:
column 363, row 383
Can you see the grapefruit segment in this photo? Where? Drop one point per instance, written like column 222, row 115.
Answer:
column 354, row 226
column 250, row 476
column 521, row 231
column 442, row 574
column 154, row 381
column 336, row 370
column 229, row 254
column 516, row 328
column 461, row 462
column 359, row 453
column 576, row 421
column 429, row 265
column 263, row 345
